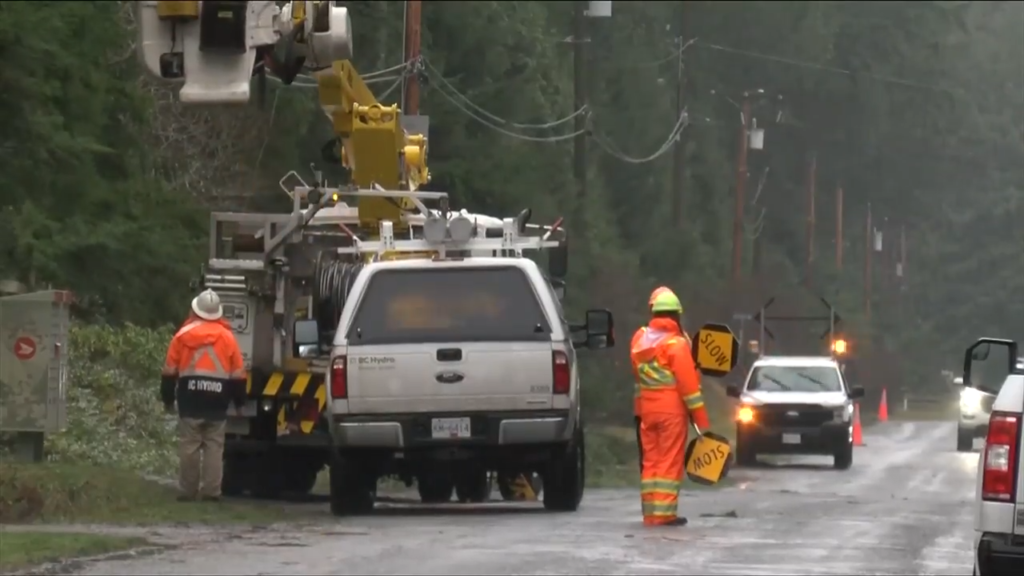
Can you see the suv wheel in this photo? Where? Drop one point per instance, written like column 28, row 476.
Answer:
column 843, row 458
column 353, row 488
column 744, row 455
column 565, row 476
column 435, row 487
column 964, row 439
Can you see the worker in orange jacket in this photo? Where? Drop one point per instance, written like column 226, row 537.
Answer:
column 669, row 394
column 203, row 373
column 636, row 382
column 636, row 379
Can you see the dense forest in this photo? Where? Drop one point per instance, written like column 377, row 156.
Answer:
column 915, row 109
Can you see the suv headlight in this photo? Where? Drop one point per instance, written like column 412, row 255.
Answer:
column 970, row 400
column 843, row 413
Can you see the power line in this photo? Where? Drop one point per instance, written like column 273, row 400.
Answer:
column 673, row 57
column 434, row 74
column 826, row 68
column 455, row 102
column 608, row 146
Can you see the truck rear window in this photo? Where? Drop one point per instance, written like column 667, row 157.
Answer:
column 449, row 305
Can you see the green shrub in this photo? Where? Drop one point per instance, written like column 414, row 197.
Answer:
column 115, row 417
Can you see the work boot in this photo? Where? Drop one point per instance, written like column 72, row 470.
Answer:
column 679, row 521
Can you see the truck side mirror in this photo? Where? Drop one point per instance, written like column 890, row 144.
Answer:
column 305, row 338
column 979, row 352
column 600, row 326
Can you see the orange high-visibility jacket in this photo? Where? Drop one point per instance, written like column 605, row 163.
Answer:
column 204, row 369
column 667, row 381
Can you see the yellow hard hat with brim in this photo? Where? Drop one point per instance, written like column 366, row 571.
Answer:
column 666, row 302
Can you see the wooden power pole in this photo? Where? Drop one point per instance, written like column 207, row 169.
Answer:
column 839, row 229
column 869, row 246
column 411, row 84
column 741, row 187
column 579, row 85
column 679, row 153
column 812, row 175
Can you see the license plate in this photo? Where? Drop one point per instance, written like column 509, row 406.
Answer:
column 790, row 438
column 450, row 428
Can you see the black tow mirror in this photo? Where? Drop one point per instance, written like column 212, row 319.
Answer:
column 597, row 332
column 856, row 392
column 732, row 391
column 305, row 338
column 558, row 260
column 993, row 375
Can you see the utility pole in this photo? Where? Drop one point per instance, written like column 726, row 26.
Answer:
column 903, row 253
column 741, row 185
column 679, row 153
column 410, row 82
column 869, row 245
column 839, row 228
column 579, row 62
column 812, row 174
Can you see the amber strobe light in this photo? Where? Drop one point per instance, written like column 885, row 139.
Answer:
column 745, row 414
column 839, row 346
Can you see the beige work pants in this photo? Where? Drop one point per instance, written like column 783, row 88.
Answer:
column 201, row 456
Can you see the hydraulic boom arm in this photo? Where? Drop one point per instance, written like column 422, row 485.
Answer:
column 214, row 48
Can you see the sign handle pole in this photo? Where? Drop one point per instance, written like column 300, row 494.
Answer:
column 762, row 345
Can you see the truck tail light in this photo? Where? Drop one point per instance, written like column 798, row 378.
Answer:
column 339, row 378
column 560, row 371
column 999, row 482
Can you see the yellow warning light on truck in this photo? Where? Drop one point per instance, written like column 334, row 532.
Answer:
column 839, row 346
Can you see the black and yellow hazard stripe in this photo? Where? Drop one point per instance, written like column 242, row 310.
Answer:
column 307, row 386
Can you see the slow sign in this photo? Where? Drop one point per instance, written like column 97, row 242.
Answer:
column 715, row 350
column 707, row 458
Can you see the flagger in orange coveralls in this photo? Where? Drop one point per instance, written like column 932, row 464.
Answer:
column 669, row 394
column 636, row 384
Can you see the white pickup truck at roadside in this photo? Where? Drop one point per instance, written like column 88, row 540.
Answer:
column 445, row 370
column 999, row 494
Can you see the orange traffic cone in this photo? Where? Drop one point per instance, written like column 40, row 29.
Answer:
column 858, row 436
column 883, row 408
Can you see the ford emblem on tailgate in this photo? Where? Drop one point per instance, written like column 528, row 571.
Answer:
column 449, row 377
column 792, row 413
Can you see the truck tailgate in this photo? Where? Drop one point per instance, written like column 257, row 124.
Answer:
column 466, row 377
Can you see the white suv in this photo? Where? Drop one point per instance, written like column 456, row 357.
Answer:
column 999, row 494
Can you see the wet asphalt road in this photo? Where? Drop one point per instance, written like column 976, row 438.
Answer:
column 904, row 508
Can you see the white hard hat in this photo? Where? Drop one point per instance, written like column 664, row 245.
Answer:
column 207, row 305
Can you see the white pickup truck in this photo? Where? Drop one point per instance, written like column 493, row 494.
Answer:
column 999, row 495
column 447, row 370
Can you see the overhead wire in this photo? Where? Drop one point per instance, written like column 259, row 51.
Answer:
column 436, row 75
column 614, row 151
column 653, row 63
column 464, row 106
column 833, row 69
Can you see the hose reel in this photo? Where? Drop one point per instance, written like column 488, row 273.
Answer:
column 332, row 283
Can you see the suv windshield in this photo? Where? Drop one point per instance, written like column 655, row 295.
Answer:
column 449, row 305
column 795, row 379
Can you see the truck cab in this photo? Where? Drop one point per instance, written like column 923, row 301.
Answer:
column 991, row 366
